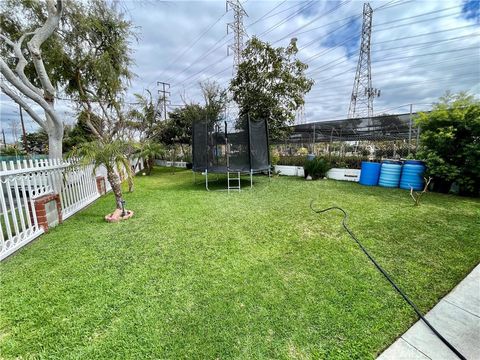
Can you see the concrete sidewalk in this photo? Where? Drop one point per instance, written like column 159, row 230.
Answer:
column 456, row 317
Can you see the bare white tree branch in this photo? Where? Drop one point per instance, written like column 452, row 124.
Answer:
column 42, row 34
column 19, row 100
column 22, row 62
column 14, row 80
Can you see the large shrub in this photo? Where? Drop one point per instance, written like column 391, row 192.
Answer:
column 317, row 168
column 450, row 143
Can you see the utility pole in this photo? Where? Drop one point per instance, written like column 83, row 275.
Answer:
column 163, row 98
column 238, row 31
column 24, row 133
column 361, row 102
column 4, row 141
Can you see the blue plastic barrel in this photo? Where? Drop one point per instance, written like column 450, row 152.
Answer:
column 369, row 173
column 412, row 175
column 390, row 173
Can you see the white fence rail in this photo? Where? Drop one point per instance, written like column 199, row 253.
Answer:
column 21, row 182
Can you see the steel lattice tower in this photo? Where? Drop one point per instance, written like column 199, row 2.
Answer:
column 238, row 31
column 361, row 103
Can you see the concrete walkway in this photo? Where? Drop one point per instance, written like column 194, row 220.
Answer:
column 456, row 317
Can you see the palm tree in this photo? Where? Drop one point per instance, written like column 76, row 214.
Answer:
column 112, row 155
column 149, row 150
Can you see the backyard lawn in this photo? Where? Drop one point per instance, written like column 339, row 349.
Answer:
column 209, row 275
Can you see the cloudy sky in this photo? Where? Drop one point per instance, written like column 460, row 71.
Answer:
column 419, row 49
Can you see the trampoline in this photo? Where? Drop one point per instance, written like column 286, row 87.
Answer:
column 234, row 149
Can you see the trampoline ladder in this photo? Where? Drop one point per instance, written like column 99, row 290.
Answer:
column 230, row 179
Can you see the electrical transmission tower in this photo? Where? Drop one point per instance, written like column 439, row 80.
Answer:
column 300, row 116
column 238, row 31
column 361, row 103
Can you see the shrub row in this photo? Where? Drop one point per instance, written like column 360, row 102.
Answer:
column 334, row 161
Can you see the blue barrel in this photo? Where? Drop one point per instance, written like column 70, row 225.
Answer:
column 369, row 173
column 412, row 175
column 390, row 173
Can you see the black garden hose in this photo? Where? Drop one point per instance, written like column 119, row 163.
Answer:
column 405, row 297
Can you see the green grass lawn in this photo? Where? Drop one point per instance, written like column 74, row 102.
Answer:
column 250, row 275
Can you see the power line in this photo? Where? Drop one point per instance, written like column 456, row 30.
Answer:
column 336, row 61
column 415, row 16
column 380, row 42
column 424, row 34
column 188, row 48
column 291, row 16
column 392, row 71
column 408, row 85
column 416, row 22
column 213, row 48
column 312, row 21
column 349, row 19
column 309, row 4
column 264, row 16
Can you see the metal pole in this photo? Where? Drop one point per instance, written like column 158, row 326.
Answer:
column 410, row 130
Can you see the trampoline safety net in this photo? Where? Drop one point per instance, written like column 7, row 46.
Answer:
column 220, row 148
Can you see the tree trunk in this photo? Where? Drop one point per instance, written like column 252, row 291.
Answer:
column 114, row 181
column 150, row 162
column 55, row 143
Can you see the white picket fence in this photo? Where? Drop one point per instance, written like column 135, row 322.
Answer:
column 21, row 182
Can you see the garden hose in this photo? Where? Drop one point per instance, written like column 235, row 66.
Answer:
column 405, row 297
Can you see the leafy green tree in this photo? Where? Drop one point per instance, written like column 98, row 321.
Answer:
column 31, row 48
column 77, row 134
column 215, row 98
column 81, row 47
column 450, row 143
column 270, row 84
column 37, row 142
column 178, row 128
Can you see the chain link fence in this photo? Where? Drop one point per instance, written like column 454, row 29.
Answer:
column 374, row 138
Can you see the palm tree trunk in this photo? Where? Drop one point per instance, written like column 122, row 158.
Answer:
column 114, row 181
column 150, row 162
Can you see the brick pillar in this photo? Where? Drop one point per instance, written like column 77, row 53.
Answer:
column 41, row 210
column 101, row 187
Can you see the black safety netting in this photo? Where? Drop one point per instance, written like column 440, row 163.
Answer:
column 238, row 146
column 259, row 145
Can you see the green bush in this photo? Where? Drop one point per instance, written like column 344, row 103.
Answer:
column 291, row 160
column 350, row 162
column 274, row 157
column 316, row 168
column 449, row 143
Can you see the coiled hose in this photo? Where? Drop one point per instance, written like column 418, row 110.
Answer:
column 384, row 273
